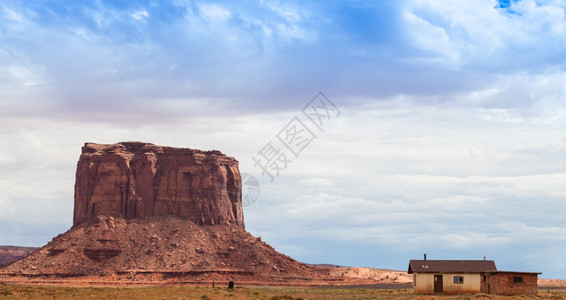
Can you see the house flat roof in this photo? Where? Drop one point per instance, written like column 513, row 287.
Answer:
column 517, row 272
column 451, row 266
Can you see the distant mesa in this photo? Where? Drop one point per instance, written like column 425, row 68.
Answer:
column 10, row 254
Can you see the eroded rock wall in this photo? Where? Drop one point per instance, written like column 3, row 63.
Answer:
column 137, row 180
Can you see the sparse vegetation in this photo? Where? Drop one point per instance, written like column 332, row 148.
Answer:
column 207, row 293
column 284, row 297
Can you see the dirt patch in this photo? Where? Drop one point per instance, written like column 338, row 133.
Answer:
column 552, row 283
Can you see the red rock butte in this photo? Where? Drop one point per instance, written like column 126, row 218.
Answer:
column 146, row 212
column 139, row 180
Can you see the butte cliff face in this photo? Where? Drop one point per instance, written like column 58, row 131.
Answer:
column 138, row 180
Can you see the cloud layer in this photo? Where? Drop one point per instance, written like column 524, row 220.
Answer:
column 450, row 141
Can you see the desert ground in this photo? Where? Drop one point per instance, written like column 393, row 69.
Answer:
column 239, row 292
column 355, row 283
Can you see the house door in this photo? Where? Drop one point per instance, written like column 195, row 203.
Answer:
column 437, row 284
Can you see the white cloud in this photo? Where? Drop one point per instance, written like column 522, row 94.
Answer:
column 314, row 181
column 12, row 15
column 484, row 36
column 287, row 11
column 23, row 74
column 291, row 31
column 430, row 37
column 102, row 16
column 140, row 15
column 214, row 12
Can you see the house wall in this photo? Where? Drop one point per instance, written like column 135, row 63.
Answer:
column 484, row 285
column 471, row 284
column 502, row 284
column 424, row 283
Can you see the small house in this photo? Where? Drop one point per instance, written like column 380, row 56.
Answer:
column 469, row 277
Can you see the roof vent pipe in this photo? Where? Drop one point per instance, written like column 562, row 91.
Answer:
column 424, row 263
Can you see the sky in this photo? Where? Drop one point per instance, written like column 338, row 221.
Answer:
column 441, row 127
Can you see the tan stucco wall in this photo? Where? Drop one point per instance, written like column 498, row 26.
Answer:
column 425, row 283
column 471, row 284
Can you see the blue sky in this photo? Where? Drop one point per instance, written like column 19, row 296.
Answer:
column 450, row 139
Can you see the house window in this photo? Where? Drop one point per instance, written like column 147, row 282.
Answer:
column 517, row 279
column 484, row 277
column 459, row 279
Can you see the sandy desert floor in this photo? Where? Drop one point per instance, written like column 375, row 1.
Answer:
column 240, row 292
column 341, row 276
